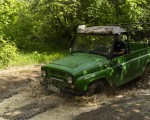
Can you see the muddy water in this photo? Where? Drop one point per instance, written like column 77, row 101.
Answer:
column 22, row 97
column 33, row 103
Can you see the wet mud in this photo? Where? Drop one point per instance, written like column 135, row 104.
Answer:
column 22, row 97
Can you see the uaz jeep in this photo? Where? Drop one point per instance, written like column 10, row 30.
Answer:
column 91, row 65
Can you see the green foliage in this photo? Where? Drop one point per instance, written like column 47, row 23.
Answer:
column 48, row 25
column 22, row 59
column 57, row 21
column 8, row 12
column 18, row 27
column 132, row 11
column 32, row 23
column 7, row 52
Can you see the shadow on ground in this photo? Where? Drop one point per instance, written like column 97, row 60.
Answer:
column 135, row 107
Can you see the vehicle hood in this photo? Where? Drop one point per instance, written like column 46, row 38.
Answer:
column 78, row 62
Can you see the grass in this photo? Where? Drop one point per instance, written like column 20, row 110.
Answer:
column 22, row 59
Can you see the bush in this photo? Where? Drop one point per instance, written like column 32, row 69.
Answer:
column 23, row 58
column 7, row 52
column 45, row 58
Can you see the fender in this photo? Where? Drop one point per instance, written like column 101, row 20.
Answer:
column 82, row 83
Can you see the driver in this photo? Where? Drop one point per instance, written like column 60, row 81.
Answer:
column 119, row 46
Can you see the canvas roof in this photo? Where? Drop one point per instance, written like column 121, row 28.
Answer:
column 102, row 30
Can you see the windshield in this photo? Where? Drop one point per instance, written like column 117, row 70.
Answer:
column 93, row 44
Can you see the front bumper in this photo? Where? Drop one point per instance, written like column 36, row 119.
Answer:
column 62, row 90
column 72, row 92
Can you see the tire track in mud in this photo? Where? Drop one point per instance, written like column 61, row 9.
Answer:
column 29, row 102
column 13, row 80
column 9, row 92
column 28, row 111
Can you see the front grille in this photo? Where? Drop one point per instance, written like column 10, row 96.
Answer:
column 58, row 74
column 59, row 83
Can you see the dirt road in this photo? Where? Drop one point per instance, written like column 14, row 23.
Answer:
column 22, row 97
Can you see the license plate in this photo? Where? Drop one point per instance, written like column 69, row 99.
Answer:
column 53, row 88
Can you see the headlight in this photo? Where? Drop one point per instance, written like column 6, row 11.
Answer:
column 44, row 74
column 70, row 80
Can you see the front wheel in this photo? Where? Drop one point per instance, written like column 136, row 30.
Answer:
column 96, row 87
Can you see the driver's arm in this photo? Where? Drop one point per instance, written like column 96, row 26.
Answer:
column 122, row 52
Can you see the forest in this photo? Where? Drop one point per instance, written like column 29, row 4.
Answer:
column 38, row 31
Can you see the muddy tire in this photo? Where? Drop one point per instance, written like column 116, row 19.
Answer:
column 96, row 87
column 145, row 79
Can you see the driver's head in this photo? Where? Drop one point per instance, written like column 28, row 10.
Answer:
column 117, row 37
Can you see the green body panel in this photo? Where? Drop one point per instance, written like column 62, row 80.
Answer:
column 133, row 65
column 87, row 68
column 79, row 64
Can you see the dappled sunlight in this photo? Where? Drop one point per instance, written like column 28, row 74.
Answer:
column 136, row 110
column 133, row 107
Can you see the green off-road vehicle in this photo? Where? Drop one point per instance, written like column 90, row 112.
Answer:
column 91, row 65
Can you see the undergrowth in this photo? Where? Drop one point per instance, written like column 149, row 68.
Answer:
column 22, row 59
column 10, row 55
